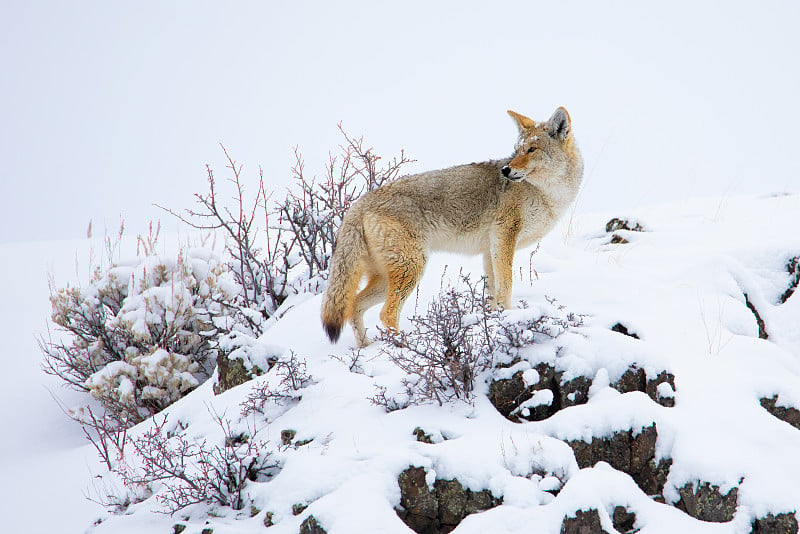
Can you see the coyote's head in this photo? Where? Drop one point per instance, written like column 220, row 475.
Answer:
column 543, row 150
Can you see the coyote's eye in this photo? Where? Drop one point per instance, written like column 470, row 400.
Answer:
column 531, row 150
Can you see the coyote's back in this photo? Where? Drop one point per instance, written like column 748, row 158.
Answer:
column 486, row 208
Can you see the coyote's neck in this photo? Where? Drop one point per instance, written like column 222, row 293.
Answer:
column 562, row 191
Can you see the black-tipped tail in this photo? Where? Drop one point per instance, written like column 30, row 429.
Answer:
column 334, row 330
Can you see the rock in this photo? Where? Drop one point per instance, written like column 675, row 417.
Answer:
column 178, row 528
column 420, row 507
column 573, row 392
column 287, row 435
column 635, row 379
column 624, row 520
column 775, row 524
column 762, row 327
column 421, row 436
column 705, row 502
column 622, row 329
column 440, row 510
column 232, row 373
column 630, row 453
column 793, row 267
column 509, row 395
column 617, row 239
column 311, row 526
column 624, row 224
column 299, row 508
column 787, row 414
column 655, row 392
column 268, row 519
column 583, row 522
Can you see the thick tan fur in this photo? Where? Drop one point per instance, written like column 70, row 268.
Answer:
column 488, row 208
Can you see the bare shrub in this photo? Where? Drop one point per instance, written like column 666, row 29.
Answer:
column 282, row 384
column 298, row 232
column 523, row 330
column 182, row 471
column 447, row 346
column 458, row 338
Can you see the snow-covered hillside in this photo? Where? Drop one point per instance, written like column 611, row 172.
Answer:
column 681, row 294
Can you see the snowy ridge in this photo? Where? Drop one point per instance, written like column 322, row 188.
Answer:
column 679, row 285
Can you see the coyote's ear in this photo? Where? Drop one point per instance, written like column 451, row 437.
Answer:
column 559, row 126
column 523, row 122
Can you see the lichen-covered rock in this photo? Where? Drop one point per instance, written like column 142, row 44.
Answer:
column 583, row 522
column 311, row 526
column 784, row 413
column 440, row 510
column 785, row 523
column 232, row 372
column 706, row 502
column 629, row 452
column 419, row 505
column 422, row 436
column 240, row 358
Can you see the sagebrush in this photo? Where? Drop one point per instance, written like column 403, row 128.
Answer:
column 141, row 334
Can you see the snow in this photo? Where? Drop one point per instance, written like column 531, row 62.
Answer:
column 679, row 286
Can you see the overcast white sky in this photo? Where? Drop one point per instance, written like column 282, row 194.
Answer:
column 109, row 107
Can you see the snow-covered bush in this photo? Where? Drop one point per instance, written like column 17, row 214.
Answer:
column 142, row 334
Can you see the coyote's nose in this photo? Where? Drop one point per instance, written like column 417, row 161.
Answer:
column 506, row 170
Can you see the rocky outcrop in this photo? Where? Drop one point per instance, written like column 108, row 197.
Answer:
column 705, row 501
column 519, row 401
column 440, row 510
column 631, row 452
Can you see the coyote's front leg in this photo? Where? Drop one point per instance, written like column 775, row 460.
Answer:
column 501, row 250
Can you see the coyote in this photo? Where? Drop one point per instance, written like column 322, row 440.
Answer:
column 487, row 208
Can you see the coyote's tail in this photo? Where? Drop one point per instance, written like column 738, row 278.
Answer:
column 347, row 266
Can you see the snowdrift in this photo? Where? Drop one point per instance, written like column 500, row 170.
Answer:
column 666, row 402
